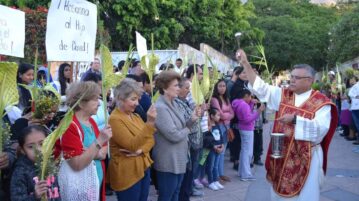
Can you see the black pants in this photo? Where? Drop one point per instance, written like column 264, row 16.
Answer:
column 345, row 130
column 187, row 182
column 258, row 145
column 186, row 186
column 235, row 145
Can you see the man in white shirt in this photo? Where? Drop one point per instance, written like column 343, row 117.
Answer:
column 354, row 107
column 308, row 119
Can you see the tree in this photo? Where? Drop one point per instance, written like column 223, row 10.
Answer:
column 178, row 21
column 345, row 38
column 172, row 21
column 295, row 32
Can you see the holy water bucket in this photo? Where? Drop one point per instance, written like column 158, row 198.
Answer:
column 277, row 145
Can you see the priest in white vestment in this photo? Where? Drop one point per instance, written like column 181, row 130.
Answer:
column 311, row 130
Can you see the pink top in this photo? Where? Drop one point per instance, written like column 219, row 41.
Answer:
column 226, row 111
column 245, row 115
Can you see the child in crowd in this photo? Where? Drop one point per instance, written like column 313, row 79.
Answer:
column 25, row 184
column 243, row 107
column 213, row 141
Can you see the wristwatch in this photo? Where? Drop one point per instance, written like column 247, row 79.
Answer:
column 294, row 121
column 98, row 146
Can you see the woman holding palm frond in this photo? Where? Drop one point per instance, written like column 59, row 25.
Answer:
column 170, row 152
column 83, row 146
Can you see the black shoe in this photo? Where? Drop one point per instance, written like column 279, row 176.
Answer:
column 356, row 143
column 235, row 166
column 350, row 138
column 252, row 165
column 343, row 135
column 109, row 191
column 259, row 163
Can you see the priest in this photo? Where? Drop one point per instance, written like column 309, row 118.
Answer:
column 308, row 119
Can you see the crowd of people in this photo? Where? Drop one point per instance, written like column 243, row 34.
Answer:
column 174, row 143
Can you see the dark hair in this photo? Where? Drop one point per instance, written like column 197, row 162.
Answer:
column 120, row 65
column 41, row 75
column 218, row 96
column 165, row 78
column 190, row 70
column 23, row 68
column 179, row 59
column 134, row 77
column 62, row 78
column 238, row 70
column 28, row 130
column 134, row 63
column 145, row 79
column 243, row 93
column 94, row 77
column 212, row 111
column 166, row 66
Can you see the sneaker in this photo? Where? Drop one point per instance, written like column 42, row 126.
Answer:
column 219, row 185
column 248, row 179
column 196, row 192
column 198, row 184
column 213, row 186
column 204, row 181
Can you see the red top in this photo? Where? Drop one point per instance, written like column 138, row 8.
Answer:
column 71, row 145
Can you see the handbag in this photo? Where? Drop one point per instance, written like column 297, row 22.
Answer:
column 230, row 135
column 80, row 185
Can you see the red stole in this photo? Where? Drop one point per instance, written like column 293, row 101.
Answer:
column 288, row 174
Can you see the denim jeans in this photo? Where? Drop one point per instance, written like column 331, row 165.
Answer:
column 212, row 166
column 223, row 129
column 169, row 185
column 137, row 192
column 246, row 154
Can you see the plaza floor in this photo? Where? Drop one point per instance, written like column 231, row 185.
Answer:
column 342, row 179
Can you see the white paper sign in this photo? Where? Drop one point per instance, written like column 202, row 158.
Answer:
column 12, row 32
column 141, row 45
column 71, row 30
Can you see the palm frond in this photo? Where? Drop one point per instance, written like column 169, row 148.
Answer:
column 50, row 140
column 205, row 84
column 196, row 90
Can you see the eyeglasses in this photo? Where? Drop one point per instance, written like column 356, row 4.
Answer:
column 295, row 77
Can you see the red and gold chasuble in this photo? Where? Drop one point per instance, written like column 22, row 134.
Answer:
column 288, row 174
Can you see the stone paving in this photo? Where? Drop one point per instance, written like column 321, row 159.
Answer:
column 342, row 179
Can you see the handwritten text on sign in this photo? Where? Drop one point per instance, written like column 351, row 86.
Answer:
column 12, row 32
column 71, row 30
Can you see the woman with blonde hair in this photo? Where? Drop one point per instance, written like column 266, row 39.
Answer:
column 83, row 146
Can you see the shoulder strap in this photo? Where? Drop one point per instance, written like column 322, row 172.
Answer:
column 78, row 131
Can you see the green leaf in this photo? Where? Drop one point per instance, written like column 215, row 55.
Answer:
column 50, row 140
column 196, row 90
column 205, row 84
column 9, row 92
